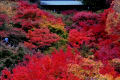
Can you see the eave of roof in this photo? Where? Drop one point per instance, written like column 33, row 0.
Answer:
column 61, row 3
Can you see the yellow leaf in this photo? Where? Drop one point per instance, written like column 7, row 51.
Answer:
column 109, row 77
column 118, row 78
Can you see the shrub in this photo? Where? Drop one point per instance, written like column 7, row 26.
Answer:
column 3, row 20
column 29, row 16
column 94, row 34
column 87, row 40
column 110, row 71
column 108, row 49
column 16, row 35
column 53, row 67
column 9, row 58
column 58, row 66
column 87, row 69
column 84, row 19
column 3, row 34
column 106, row 53
column 8, row 7
column 39, row 38
column 113, row 20
column 69, row 12
column 77, row 38
column 3, row 26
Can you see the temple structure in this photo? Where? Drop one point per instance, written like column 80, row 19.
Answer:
column 60, row 5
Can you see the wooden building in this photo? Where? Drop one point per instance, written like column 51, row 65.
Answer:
column 60, row 5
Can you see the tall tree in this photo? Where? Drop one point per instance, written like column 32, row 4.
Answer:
column 94, row 2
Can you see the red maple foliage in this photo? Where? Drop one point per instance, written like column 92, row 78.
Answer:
column 54, row 67
column 77, row 38
column 84, row 19
column 69, row 12
column 108, row 49
column 107, row 53
column 108, row 69
column 41, row 37
column 90, row 35
column 29, row 16
column 3, row 19
column 3, row 34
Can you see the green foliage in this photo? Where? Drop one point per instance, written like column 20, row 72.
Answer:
column 67, row 20
column 85, row 51
column 63, row 40
column 94, row 2
column 15, row 39
column 8, row 58
column 5, row 53
column 59, row 32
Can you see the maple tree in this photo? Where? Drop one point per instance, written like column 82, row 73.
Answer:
column 94, row 39
column 45, row 68
column 40, row 38
column 29, row 16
